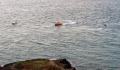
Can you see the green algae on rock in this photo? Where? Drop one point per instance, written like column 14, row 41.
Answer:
column 40, row 64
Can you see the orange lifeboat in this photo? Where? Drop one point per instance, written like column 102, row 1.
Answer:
column 58, row 23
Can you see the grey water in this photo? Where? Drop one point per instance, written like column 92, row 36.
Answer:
column 83, row 39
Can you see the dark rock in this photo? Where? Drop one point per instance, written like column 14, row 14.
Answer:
column 64, row 63
column 42, row 64
column 9, row 65
column 3, row 68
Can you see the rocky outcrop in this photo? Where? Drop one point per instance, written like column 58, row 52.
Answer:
column 64, row 64
column 39, row 64
column 4, row 68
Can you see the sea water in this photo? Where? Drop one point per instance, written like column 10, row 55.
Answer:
column 83, row 39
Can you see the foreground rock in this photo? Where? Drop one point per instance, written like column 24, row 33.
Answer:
column 64, row 64
column 39, row 64
column 4, row 68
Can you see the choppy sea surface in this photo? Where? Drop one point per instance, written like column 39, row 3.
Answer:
column 83, row 38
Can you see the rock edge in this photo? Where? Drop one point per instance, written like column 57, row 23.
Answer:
column 39, row 64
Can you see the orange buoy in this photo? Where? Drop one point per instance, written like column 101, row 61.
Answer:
column 58, row 23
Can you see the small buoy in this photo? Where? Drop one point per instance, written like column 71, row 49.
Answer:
column 58, row 23
column 14, row 22
column 105, row 25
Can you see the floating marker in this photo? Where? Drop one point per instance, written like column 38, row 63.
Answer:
column 58, row 23
column 14, row 22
